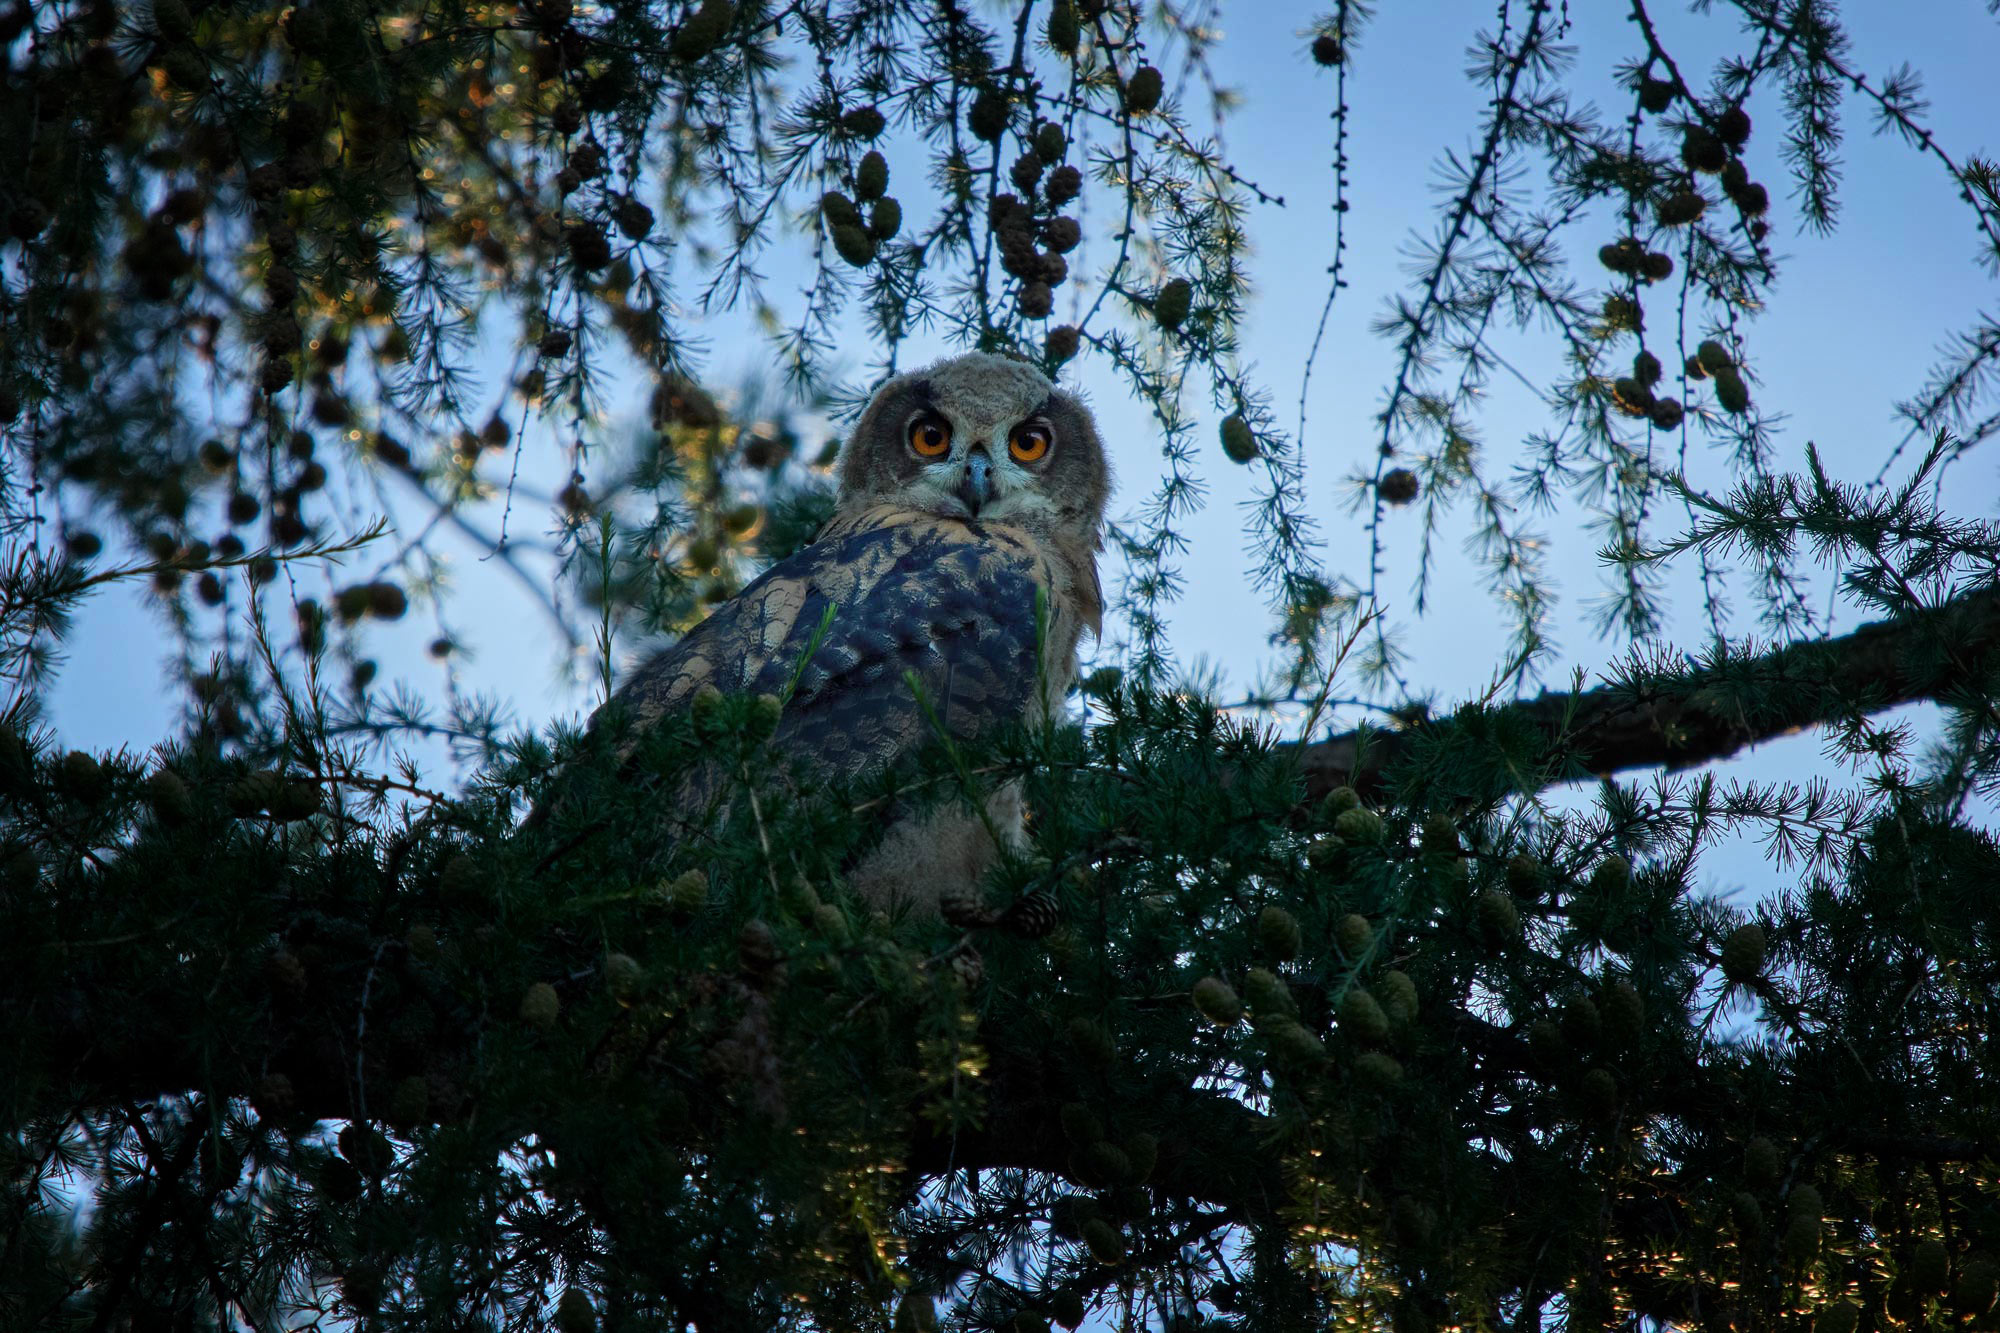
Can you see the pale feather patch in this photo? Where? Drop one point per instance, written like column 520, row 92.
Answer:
column 780, row 611
column 941, row 854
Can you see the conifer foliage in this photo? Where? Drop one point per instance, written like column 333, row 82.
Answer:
column 1437, row 1024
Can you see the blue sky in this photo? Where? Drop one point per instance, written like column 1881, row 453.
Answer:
column 1853, row 326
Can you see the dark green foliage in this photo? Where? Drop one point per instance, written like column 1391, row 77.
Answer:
column 671, row 1091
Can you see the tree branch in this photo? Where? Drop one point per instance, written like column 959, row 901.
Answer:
column 1702, row 713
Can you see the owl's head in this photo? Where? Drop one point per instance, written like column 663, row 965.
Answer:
column 980, row 437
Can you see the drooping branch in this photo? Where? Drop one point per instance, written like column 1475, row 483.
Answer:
column 1701, row 713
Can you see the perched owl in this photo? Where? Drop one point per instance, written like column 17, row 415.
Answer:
column 967, row 490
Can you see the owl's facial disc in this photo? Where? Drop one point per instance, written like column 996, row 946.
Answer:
column 973, row 469
column 980, row 437
column 995, row 478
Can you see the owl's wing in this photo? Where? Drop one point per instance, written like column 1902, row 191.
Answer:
column 948, row 601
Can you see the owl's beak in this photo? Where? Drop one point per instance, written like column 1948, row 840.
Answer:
column 975, row 488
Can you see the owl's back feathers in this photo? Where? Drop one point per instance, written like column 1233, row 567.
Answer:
column 952, row 602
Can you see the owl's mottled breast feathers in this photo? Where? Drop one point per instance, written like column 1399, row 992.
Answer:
column 952, row 601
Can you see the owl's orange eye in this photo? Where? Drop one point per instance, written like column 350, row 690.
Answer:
column 930, row 437
column 1028, row 443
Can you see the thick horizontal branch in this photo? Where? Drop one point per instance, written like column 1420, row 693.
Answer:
column 1707, row 712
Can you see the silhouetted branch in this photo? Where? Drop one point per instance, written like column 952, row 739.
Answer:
column 1709, row 711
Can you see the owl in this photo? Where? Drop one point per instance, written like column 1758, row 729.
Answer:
column 970, row 492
